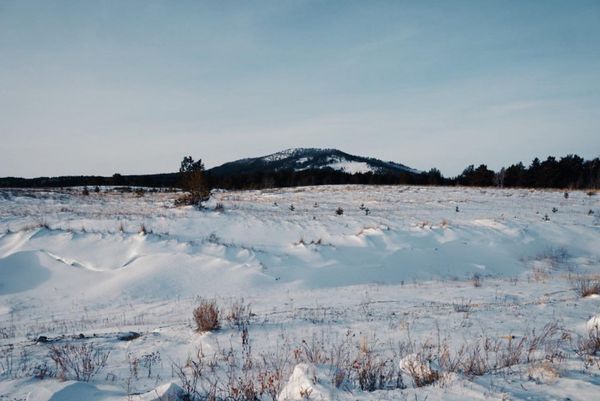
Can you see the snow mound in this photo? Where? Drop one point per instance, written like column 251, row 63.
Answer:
column 543, row 373
column 166, row 392
column 417, row 368
column 21, row 271
column 309, row 382
column 594, row 323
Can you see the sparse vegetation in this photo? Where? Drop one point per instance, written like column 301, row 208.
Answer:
column 462, row 306
column 79, row 362
column 239, row 314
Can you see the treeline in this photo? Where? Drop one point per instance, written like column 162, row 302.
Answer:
column 324, row 176
column 150, row 180
column 571, row 172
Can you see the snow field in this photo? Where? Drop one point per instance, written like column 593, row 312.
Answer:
column 334, row 299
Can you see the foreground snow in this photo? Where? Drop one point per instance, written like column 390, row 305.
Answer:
column 394, row 284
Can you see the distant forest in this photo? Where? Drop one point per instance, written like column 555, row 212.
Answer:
column 570, row 172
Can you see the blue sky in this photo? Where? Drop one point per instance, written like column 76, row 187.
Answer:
column 98, row 87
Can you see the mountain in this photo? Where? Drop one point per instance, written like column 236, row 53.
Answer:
column 300, row 159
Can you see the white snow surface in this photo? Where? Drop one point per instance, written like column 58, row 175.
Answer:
column 351, row 167
column 112, row 262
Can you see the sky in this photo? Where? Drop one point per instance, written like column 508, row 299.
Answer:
column 130, row 87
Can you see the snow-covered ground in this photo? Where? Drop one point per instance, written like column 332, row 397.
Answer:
column 411, row 293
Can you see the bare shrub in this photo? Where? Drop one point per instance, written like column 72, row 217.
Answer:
column 190, row 376
column 511, row 353
column 312, row 351
column 7, row 359
column 339, row 211
column 149, row 360
column 586, row 286
column 239, row 314
column 206, row 316
column 219, row 207
column 79, row 362
column 462, row 306
column 471, row 360
column 373, row 372
column 477, row 280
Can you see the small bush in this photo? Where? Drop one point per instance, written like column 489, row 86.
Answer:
column 194, row 198
column 462, row 306
column 586, row 286
column 219, row 207
column 477, row 280
column 239, row 314
column 78, row 362
column 339, row 211
column 292, row 208
column 85, row 191
column 554, row 210
column 206, row 316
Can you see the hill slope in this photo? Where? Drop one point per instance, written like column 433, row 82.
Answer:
column 299, row 159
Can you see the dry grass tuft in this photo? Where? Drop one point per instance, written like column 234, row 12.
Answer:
column 586, row 286
column 206, row 316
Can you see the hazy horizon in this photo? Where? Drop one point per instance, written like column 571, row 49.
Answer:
column 97, row 88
